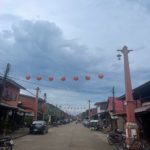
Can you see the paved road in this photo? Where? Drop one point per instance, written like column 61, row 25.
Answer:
column 66, row 137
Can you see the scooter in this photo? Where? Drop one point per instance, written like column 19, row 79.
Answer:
column 6, row 143
column 115, row 137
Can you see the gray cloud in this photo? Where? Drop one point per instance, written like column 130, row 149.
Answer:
column 141, row 3
column 39, row 47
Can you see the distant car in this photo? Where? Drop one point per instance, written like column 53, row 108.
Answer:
column 63, row 122
column 55, row 124
column 58, row 122
column 39, row 127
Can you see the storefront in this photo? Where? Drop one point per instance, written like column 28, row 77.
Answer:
column 143, row 117
column 6, row 117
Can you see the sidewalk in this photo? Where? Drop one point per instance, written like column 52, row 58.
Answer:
column 19, row 133
column 101, row 135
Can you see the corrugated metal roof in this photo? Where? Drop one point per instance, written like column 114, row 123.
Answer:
column 12, row 82
column 142, row 109
column 141, row 92
column 8, row 106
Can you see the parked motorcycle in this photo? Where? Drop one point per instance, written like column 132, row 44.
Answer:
column 115, row 137
column 6, row 143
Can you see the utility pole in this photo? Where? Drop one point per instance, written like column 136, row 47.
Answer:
column 44, row 105
column 114, row 122
column 131, row 126
column 4, row 81
column 36, row 103
column 113, row 92
column 89, row 109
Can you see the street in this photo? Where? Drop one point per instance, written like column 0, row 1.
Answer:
column 67, row 137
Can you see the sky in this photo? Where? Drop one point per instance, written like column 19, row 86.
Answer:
column 74, row 38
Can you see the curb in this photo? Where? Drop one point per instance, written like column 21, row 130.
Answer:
column 19, row 136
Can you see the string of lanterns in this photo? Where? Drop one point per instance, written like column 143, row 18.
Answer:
column 63, row 78
column 73, row 107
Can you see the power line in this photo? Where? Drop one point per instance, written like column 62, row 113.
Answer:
column 30, row 92
column 20, row 80
column 34, row 83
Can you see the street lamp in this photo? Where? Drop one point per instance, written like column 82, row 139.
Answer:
column 131, row 126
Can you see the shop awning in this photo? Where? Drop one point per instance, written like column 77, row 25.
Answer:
column 145, row 108
column 29, row 114
column 7, row 106
column 25, row 112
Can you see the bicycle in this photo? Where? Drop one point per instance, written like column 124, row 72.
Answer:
column 136, row 144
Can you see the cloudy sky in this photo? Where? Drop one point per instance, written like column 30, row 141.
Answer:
column 74, row 37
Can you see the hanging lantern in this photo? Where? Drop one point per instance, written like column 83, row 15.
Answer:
column 75, row 78
column 28, row 77
column 39, row 78
column 50, row 78
column 101, row 76
column 87, row 77
column 63, row 78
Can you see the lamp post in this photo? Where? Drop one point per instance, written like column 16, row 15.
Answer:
column 131, row 126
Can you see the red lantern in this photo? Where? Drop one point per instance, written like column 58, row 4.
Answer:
column 63, row 78
column 101, row 76
column 50, row 78
column 75, row 78
column 39, row 78
column 87, row 77
column 28, row 77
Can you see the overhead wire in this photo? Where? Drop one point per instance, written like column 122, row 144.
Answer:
column 20, row 80
column 34, row 83
column 31, row 82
